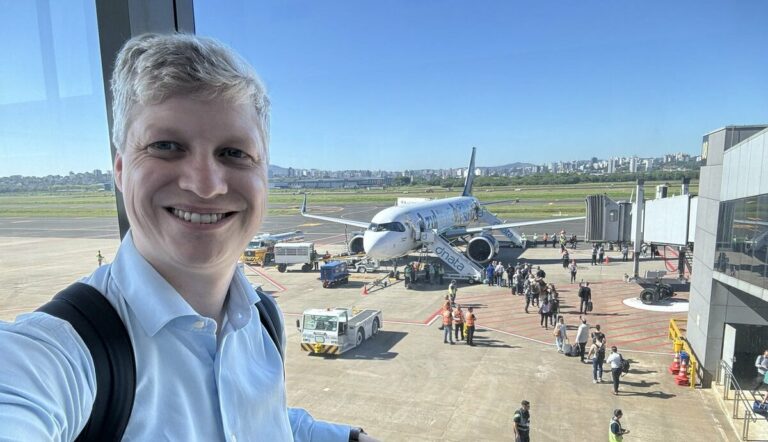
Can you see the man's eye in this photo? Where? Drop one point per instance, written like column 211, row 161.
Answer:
column 165, row 146
column 234, row 153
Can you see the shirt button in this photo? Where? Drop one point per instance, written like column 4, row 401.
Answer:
column 199, row 324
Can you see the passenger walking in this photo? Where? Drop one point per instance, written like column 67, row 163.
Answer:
column 100, row 258
column 498, row 271
column 522, row 419
column 573, row 268
column 554, row 304
column 544, row 311
column 447, row 321
column 458, row 322
column 615, row 360
column 600, row 254
column 560, row 334
column 489, row 271
column 597, row 335
column 554, row 240
column 528, row 292
column 597, row 354
column 582, row 336
column 585, row 295
column 566, row 259
column 624, row 252
column 594, row 254
column 761, row 364
column 615, row 431
column 469, row 320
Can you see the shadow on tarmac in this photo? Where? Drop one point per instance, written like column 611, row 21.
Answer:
column 377, row 348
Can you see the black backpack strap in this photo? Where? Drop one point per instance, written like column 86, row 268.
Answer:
column 103, row 332
column 271, row 320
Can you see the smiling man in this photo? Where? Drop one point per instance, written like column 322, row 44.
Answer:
column 191, row 132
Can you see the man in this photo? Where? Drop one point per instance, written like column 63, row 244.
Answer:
column 469, row 320
column 521, row 420
column 582, row 336
column 489, row 274
column 615, row 359
column 458, row 322
column 447, row 314
column 573, row 268
column 615, row 431
column 594, row 254
column 761, row 364
column 100, row 258
column 624, row 252
column 190, row 129
column 540, row 273
column 598, row 359
column 452, row 289
column 498, row 271
column 600, row 254
column 408, row 271
column 585, row 295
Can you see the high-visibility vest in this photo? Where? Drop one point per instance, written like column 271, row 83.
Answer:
column 613, row 437
column 447, row 317
column 458, row 316
column 470, row 319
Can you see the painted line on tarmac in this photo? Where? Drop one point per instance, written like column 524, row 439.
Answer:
column 550, row 344
column 279, row 286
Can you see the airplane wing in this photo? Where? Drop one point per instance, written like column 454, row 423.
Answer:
column 349, row 222
column 459, row 231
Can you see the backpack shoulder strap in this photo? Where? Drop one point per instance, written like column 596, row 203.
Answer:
column 103, row 332
column 271, row 320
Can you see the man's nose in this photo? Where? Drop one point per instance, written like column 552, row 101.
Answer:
column 203, row 176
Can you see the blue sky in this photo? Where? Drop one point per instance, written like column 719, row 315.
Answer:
column 414, row 84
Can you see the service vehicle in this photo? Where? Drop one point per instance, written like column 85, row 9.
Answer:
column 333, row 331
column 287, row 253
column 259, row 250
column 334, row 273
column 366, row 265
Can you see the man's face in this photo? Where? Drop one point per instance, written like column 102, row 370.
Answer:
column 194, row 178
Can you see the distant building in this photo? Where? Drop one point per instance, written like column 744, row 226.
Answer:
column 649, row 164
column 633, row 165
column 612, row 165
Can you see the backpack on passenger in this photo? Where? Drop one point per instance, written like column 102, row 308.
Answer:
column 624, row 365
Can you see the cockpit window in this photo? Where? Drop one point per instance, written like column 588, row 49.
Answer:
column 387, row 227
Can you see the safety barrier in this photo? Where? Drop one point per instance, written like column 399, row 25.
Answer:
column 724, row 377
column 679, row 344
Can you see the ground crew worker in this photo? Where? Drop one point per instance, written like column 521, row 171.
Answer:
column 99, row 257
column 615, row 432
column 522, row 420
column 447, row 321
column 452, row 291
column 458, row 322
column 469, row 319
column 408, row 275
column 440, row 273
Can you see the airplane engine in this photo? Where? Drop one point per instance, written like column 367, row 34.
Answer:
column 356, row 244
column 482, row 248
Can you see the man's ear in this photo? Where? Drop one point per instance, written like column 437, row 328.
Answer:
column 118, row 171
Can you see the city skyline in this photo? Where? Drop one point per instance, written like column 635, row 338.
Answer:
column 375, row 87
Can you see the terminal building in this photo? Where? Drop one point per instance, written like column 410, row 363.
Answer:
column 728, row 315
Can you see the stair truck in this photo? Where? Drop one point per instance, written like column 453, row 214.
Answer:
column 333, row 331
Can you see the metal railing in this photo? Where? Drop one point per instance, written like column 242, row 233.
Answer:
column 681, row 343
column 725, row 377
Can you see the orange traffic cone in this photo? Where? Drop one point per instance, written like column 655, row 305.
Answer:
column 674, row 368
column 682, row 377
column 607, row 260
column 365, row 289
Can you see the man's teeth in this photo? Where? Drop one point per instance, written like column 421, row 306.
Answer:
column 198, row 218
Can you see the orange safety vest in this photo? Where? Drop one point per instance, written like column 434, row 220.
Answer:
column 460, row 315
column 447, row 317
column 470, row 319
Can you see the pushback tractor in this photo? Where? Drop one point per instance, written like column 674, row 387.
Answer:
column 333, row 331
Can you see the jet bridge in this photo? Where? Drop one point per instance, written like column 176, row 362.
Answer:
column 453, row 258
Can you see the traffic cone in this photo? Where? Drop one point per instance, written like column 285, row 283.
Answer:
column 675, row 366
column 365, row 289
column 682, row 377
column 607, row 260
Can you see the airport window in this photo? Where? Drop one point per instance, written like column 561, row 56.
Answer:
column 742, row 239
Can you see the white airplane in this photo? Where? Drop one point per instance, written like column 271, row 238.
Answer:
column 400, row 230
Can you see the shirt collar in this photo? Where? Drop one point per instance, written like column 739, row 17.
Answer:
column 156, row 303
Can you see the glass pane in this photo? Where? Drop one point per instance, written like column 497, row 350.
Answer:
column 57, row 208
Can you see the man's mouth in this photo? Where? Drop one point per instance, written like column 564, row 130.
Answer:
column 198, row 218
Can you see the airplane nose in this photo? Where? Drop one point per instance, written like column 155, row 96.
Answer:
column 375, row 245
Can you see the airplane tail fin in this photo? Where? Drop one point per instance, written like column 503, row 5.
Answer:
column 470, row 175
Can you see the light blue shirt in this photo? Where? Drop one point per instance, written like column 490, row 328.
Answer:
column 190, row 385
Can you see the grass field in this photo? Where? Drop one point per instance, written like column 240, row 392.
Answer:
column 534, row 201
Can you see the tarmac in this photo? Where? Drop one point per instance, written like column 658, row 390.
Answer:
column 405, row 384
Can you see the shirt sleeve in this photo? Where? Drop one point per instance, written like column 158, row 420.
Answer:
column 306, row 429
column 47, row 380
